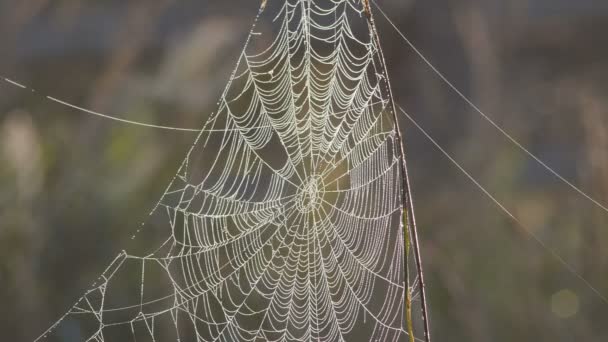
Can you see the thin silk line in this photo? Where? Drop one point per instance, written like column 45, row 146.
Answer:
column 551, row 251
column 487, row 118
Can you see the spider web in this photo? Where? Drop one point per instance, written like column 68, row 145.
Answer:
column 284, row 222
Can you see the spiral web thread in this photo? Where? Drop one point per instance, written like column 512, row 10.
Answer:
column 284, row 222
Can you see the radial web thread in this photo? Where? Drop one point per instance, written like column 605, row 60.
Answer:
column 284, row 222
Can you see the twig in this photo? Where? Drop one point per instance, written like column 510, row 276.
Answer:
column 367, row 9
column 406, row 194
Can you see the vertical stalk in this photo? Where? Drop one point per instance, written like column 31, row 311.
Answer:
column 408, row 293
column 406, row 194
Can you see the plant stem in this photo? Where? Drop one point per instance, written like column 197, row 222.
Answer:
column 406, row 194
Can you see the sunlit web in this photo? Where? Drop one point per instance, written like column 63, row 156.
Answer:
column 284, row 223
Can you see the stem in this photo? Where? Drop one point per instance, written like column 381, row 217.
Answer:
column 407, row 197
column 408, row 293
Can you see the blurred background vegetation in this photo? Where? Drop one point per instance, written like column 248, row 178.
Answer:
column 74, row 187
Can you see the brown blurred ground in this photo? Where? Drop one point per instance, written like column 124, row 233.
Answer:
column 73, row 188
